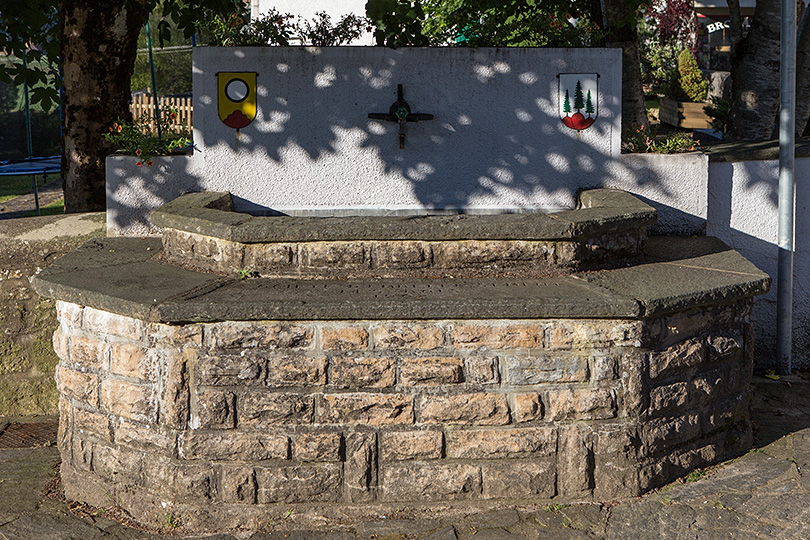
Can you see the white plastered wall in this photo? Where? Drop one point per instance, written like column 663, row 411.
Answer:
column 496, row 142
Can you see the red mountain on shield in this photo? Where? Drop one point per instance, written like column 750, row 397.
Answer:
column 238, row 120
column 577, row 121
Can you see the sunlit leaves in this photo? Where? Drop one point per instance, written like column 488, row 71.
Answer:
column 30, row 32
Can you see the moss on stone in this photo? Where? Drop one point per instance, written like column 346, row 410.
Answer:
column 13, row 359
column 27, row 322
column 27, row 397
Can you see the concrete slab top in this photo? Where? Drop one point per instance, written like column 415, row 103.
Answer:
column 211, row 214
column 125, row 276
column 684, row 272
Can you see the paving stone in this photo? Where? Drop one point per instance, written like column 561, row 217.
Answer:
column 547, row 519
column 719, row 522
column 800, row 529
column 500, row 518
column 564, row 534
column 492, row 534
column 392, row 527
column 652, row 520
column 586, row 517
column 51, row 524
column 23, row 474
column 733, row 500
column 752, row 470
column 782, row 508
column 448, row 533
column 302, row 535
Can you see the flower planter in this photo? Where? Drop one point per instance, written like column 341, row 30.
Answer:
column 684, row 114
column 134, row 191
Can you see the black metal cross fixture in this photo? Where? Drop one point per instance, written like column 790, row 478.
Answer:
column 400, row 112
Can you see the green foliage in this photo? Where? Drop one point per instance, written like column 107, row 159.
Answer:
column 659, row 65
column 321, row 33
column 168, row 521
column 695, row 475
column 30, row 34
column 691, row 83
column 187, row 14
column 31, row 40
column 398, row 23
column 138, row 138
column 172, row 73
column 276, row 28
column 526, row 23
column 172, row 65
column 637, row 139
column 718, row 112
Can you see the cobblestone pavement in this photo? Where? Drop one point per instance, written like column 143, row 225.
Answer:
column 764, row 494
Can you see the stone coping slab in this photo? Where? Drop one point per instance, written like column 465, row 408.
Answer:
column 729, row 152
column 125, row 276
column 211, row 214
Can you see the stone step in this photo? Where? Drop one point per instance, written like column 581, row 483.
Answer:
column 128, row 276
column 202, row 232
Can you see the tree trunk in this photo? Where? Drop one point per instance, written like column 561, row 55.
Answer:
column 803, row 75
column 98, row 49
column 734, row 22
column 755, row 76
column 621, row 32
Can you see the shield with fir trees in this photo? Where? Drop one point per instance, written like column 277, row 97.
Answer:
column 578, row 99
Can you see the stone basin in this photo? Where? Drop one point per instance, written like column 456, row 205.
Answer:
column 585, row 363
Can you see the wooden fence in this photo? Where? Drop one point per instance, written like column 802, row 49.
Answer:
column 143, row 104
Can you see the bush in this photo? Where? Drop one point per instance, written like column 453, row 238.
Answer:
column 691, row 83
column 398, row 23
column 637, row 139
column 718, row 112
column 276, row 28
column 140, row 138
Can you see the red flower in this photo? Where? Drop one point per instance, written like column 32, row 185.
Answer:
column 139, row 164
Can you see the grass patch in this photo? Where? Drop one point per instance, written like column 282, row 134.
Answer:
column 56, row 208
column 695, row 475
column 13, row 186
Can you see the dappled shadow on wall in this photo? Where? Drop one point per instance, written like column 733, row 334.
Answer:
column 496, row 140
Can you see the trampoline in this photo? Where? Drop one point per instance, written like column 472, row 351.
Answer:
column 28, row 166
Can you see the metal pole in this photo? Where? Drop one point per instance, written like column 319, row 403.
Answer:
column 28, row 134
column 154, row 85
column 787, row 149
